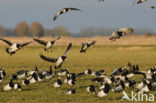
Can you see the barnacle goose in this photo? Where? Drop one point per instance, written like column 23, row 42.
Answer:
column 14, row 46
column 48, row 44
column 64, row 11
column 60, row 60
column 85, row 46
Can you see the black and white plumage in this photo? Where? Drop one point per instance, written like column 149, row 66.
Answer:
column 72, row 91
column 2, row 75
column 64, row 11
column 31, row 72
column 141, row 1
column 99, row 73
column 14, row 46
column 48, row 74
column 31, row 79
column 101, row 0
column 85, row 46
column 57, row 83
column 145, row 88
column 121, row 32
column 11, row 86
column 91, row 88
column 88, row 71
column 62, row 72
column 60, row 60
column 48, row 44
column 104, row 92
column 119, row 88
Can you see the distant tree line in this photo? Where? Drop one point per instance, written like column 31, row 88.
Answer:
column 36, row 29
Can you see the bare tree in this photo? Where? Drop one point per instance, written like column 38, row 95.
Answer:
column 61, row 30
column 22, row 29
column 36, row 29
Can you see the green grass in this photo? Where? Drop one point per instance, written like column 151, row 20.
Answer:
column 99, row 57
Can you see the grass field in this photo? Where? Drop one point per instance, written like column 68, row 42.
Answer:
column 107, row 57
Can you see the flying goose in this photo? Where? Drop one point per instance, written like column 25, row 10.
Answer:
column 48, row 44
column 14, row 46
column 121, row 32
column 64, row 11
column 85, row 46
column 59, row 61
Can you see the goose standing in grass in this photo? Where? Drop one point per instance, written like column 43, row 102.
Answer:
column 121, row 32
column 72, row 91
column 48, row 74
column 11, row 86
column 85, row 46
column 60, row 60
column 64, row 11
column 145, row 88
column 48, row 44
column 31, row 72
column 62, row 72
column 104, row 92
column 31, row 79
column 14, row 46
column 91, row 89
column 119, row 88
column 57, row 83
column 2, row 75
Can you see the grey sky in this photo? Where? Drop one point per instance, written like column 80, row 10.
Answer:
column 110, row 13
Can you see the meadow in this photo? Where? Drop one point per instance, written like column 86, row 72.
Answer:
column 107, row 57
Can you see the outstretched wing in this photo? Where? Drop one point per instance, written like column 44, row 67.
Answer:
column 93, row 42
column 8, row 42
column 41, row 42
column 64, row 11
column 74, row 9
column 24, row 44
column 57, row 39
column 68, row 48
column 47, row 58
column 57, row 14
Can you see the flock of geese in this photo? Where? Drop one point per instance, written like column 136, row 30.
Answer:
column 119, row 79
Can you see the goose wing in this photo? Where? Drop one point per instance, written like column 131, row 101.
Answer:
column 41, row 42
column 57, row 39
column 74, row 9
column 68, row 48
column 8, row 42
column 48, row 59
column 24, row 44
column 64, row 11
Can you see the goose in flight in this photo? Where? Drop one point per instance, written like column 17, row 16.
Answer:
column 60, row 60
column 64, row 11
column 14, row 46
column 85, row 46
column 139, row 1
column 48, row 44
column 121, row 32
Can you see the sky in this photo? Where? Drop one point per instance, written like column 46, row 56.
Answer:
column 109, row 14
